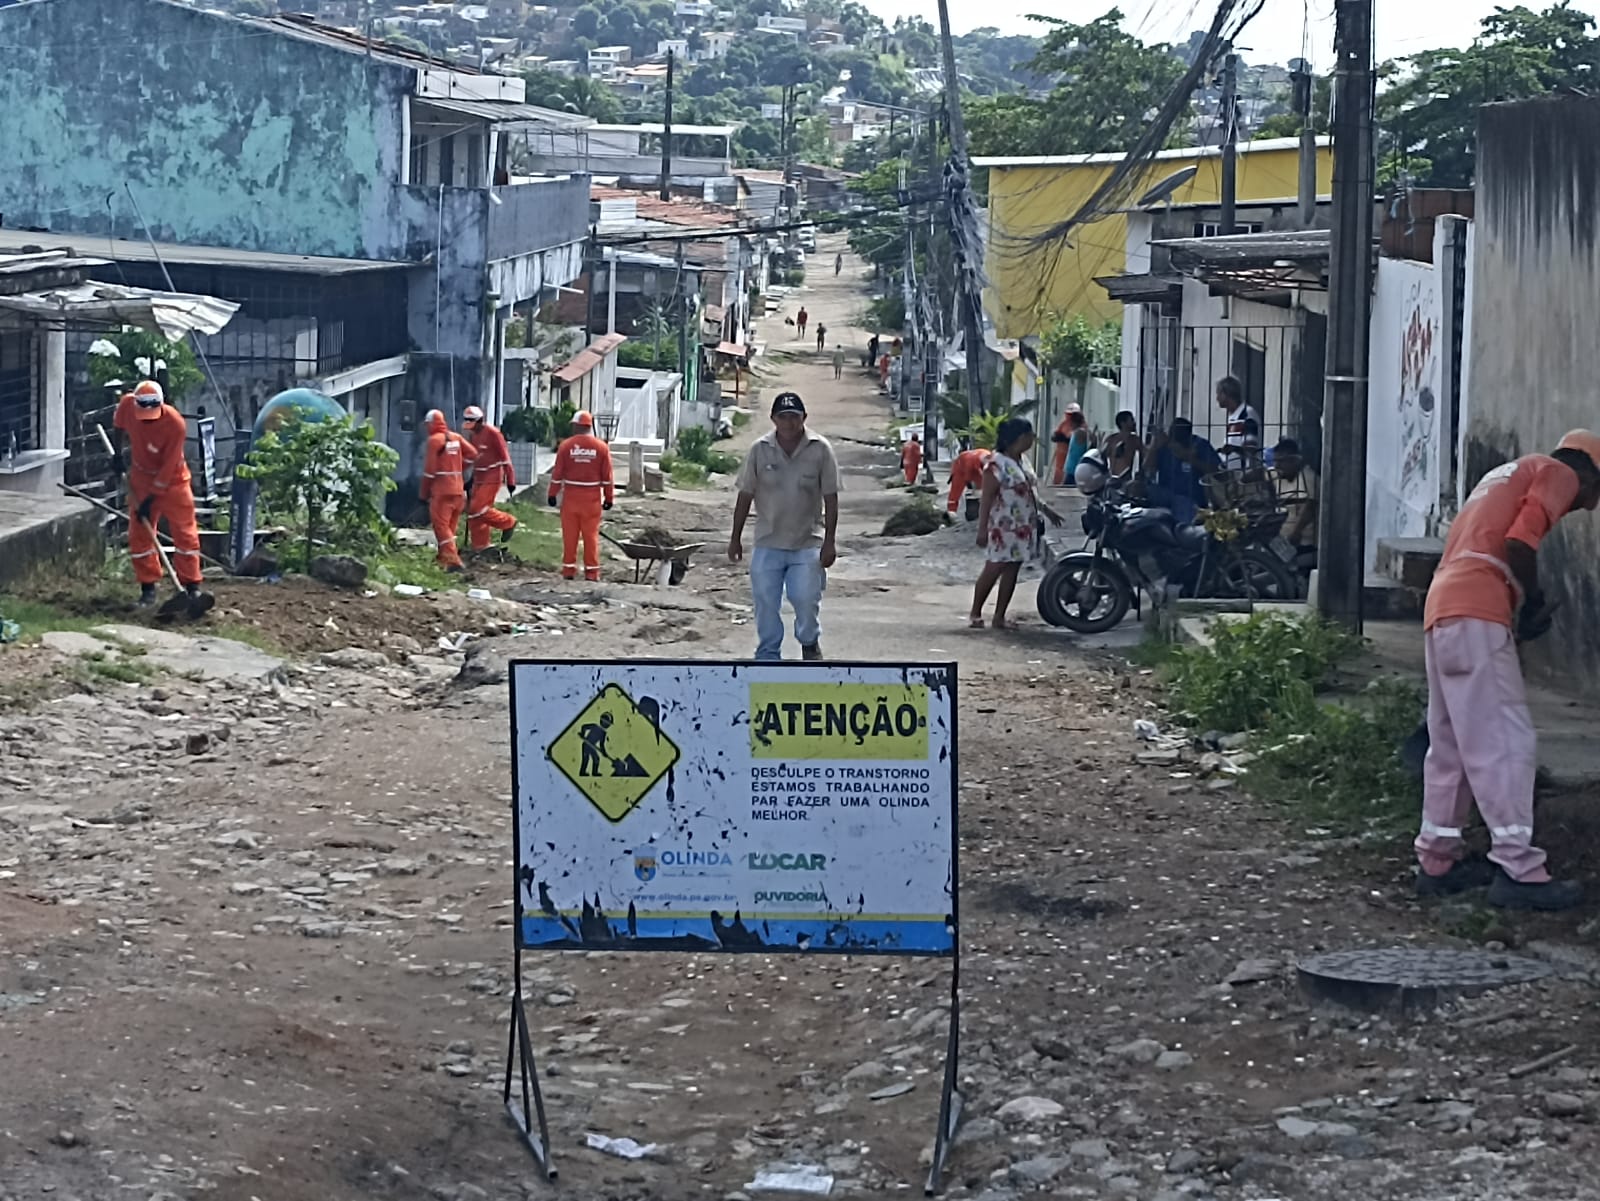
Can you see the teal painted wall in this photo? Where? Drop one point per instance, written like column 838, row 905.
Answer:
column 229, row 134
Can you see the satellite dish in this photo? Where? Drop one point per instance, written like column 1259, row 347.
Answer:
column 1167, row 186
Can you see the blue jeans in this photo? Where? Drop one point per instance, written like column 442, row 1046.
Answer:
column 774, row 572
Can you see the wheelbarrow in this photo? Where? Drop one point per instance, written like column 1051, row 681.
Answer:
column 674, row 558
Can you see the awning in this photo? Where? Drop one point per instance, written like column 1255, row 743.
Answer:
column 587, row 359
column 732, row 348
column 174, row 314
column 1141, row 289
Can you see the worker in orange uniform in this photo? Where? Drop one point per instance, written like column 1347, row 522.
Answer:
column 581, row 480
column 911, row 458
column 966, row 472
column 158, row 489
column 490, row 472
column 444, row 485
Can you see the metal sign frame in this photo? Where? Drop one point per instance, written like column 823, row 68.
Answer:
column 525, row 1105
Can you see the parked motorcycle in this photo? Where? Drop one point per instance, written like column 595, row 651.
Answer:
column 1134, row 547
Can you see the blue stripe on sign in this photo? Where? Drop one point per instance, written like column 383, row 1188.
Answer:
column 691, row 933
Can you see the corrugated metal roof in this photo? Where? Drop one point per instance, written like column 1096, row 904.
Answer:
column 503, row 112
column 175, row 314
column 587, row 359
column 129, row 251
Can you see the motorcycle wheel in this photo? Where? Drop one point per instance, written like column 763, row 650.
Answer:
column 1256, row 574
column 1083, row 595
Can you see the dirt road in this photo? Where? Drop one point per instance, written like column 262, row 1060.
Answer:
column 256, row 940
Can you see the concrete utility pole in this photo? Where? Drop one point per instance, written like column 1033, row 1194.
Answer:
column 1304, row 89
column 666, row 137
column 958, row 207
column 1341, row 557
column 1230, row 141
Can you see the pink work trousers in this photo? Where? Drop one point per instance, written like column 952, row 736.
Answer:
column 1481, row 748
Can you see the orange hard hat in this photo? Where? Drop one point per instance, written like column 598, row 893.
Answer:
column 583, row 417
column 435, row 421
column 472, row 413
column 1582, row 440
column 147, row 398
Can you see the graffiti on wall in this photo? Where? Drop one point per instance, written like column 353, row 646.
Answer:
column 1418, row 399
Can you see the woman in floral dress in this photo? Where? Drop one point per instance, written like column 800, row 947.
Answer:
column 1007, row 520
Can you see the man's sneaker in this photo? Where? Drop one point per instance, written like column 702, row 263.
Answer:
column 454, row 569
column 1506, row 893
column 147, row 595
column 505, row 535
column 1463, row 876
column 811, row 653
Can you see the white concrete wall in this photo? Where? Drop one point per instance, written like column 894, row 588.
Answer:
column 1403, row 402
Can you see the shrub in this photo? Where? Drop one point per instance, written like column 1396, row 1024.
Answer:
column 1262, row 670
column 527, row 424
column 328, row 475
column 694, row 444
column 720, row 462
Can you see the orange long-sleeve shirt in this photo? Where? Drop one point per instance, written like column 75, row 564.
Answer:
column 155, row 448
column 583, row 463
column 493, row 465
column 967, row 469
column 442, row 467
column 911, row 456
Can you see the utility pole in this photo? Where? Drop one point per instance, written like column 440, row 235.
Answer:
column 666, row 137
column 959, row 207
column 1304, row 85
column 1341, row 557
column 1230, row 140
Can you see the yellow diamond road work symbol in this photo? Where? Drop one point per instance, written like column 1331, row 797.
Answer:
column 614, row 752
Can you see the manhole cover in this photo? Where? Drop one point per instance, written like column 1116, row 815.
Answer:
column 1408, row 980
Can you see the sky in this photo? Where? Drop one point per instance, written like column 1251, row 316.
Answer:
column 1275, row 36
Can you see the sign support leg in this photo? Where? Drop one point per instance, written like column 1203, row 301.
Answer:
column 519, row 1056
column 951, row 1101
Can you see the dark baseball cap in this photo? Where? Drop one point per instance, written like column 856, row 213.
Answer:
column 788, row 402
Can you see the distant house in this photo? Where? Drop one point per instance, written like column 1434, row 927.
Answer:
column 698, row 10
column 604, row 60
column 677, row 47
column 793, row 28
column 714, row 44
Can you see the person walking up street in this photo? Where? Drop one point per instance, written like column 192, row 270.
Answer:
column 822, row 337
column 911, row 458
column 1007, row 521
column 1484, row 598
column 582, row 482
column 800, row 320
column 838, row 263
column 158, row 490
column 444, row 485
column 791, row 478
column 838, row 361
column 491, row 471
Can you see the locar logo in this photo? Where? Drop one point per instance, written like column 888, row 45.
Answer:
column 767, row 861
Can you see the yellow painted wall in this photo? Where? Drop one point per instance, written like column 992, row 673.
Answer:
column 1027, row 284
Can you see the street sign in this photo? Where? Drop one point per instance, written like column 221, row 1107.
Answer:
column 733, row 807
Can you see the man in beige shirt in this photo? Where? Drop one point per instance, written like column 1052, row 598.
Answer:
column 792, row 479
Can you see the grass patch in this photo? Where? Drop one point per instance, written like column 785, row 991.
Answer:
column 1332, row 763
column 916, row 516
column 410, row 565
column 121, row 670
column 1340, row 765
column 687, row 475
column 40, row 617
column 537, row 538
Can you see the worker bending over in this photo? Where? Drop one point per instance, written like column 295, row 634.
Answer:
column 582, row 481
column 966, row 472
column 444, row 485
column 1484, row 598
column 158, row 489
column 490, row 472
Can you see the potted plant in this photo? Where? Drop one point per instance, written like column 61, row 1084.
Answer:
column 525, row 429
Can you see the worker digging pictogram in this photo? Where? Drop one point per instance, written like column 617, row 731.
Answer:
column 614, row 752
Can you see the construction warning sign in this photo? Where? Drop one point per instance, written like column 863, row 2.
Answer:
column 735, row 806
column 613, row 752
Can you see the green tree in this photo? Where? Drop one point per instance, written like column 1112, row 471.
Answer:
column 330, row 475
column 1287, row 125
column 1107, row 81
column 1428, row 113
column 573, row 94
column 586, row 21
